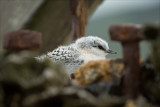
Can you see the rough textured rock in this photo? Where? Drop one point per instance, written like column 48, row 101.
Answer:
column 24, row 82
column 109, row 70
column 99, row 88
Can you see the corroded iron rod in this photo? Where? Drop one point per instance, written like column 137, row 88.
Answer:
column 22, row 40
column 79, row 17
column 129, row 36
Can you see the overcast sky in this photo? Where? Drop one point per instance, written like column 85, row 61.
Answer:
column 112, row 7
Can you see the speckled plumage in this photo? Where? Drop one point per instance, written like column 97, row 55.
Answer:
column 83, row 50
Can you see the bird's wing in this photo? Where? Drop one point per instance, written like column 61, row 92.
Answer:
column 65, row 54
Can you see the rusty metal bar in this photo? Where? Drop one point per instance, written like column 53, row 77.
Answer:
column 79, row 17
column 22, row 40
column 129, row 36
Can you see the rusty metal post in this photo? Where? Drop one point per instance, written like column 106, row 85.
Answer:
column 129, row 36
column 22, row 40
column 79, row 17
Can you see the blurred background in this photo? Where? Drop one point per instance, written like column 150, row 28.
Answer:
column 53, row 19
column 111, row 12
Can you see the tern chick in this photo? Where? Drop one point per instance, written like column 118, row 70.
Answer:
column 82, row 50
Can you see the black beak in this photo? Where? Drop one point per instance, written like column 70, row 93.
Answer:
column 111, row 52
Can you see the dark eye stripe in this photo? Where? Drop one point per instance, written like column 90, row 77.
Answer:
column 100, row 47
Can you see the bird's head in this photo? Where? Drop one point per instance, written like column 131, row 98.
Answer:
column 94, row 45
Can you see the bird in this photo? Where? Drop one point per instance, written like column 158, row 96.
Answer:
column 84, row 49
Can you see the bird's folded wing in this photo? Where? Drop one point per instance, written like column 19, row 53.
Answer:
column 65, row 54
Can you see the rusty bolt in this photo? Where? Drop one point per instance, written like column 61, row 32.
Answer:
column 129, row 36
column 22, row 40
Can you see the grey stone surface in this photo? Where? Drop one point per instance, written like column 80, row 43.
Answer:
column 15, row 13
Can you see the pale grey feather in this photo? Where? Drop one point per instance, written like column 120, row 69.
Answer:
column 83, row 50
column 68, row 55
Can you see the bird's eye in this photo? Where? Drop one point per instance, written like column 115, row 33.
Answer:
column 100, row 47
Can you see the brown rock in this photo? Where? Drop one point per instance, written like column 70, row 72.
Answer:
column 102, row 70
column 22, row 40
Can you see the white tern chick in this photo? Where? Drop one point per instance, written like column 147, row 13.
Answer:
column 82, row 50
